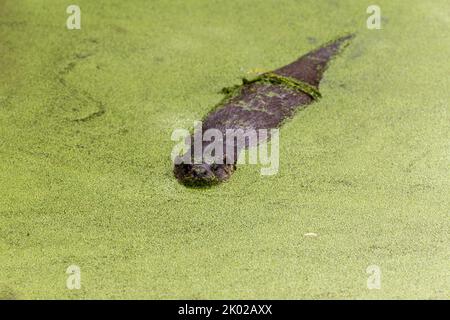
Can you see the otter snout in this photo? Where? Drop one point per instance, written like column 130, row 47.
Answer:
column 201, row 175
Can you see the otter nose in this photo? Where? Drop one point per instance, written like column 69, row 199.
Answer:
column 200, row 172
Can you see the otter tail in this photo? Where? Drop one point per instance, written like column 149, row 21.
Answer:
column 310, row 67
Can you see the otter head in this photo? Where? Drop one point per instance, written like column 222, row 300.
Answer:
column 203, row 174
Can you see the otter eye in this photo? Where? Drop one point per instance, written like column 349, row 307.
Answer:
column 187, row 168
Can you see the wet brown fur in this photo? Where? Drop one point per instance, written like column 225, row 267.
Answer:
column 260, row 105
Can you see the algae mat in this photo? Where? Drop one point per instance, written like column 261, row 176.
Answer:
column 86, row 179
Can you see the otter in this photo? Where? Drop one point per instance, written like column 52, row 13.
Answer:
column 261, row 103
